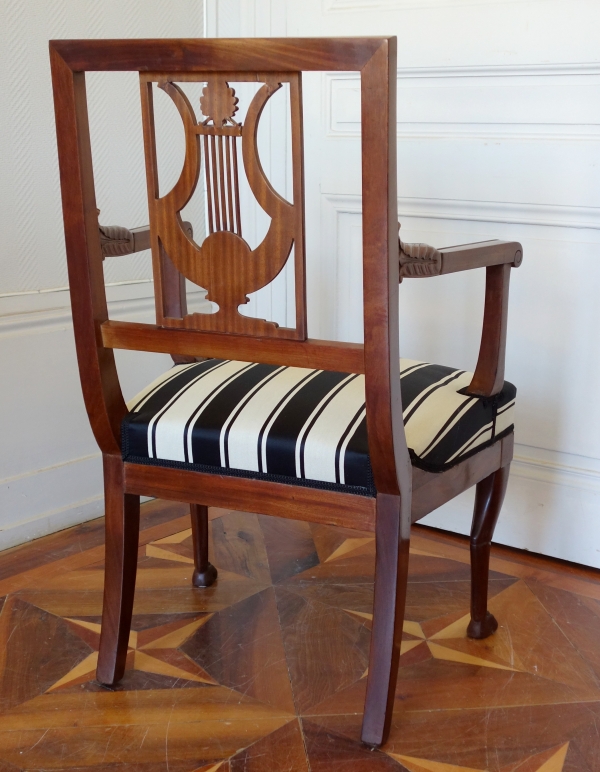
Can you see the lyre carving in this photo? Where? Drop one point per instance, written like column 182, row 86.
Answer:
column 224, row 264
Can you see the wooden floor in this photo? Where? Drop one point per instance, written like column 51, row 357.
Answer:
column 265, row 671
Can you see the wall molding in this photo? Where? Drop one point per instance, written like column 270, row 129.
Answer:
column 35, row 313
column 523, row 118
column 525, row 70
column 548, row 506
column 337, row 6
column 564, row 469
column 547, row 215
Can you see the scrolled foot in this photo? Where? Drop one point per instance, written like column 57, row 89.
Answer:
column 205, row 578
column 482, row 628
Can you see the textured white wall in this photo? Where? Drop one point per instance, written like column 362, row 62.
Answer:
column 50, row 468
column 32, row 255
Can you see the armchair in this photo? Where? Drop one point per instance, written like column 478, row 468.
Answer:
column 270, row 420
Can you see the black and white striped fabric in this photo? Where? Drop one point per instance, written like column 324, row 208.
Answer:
column 303, row 426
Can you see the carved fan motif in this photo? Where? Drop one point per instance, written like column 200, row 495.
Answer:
column 224, row 264
column 218, row 103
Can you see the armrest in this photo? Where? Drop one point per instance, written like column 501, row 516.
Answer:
column 116, row 240
column 421, row 260
column 498, row 257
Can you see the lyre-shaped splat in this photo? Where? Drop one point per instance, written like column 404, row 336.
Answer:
column 224, row 264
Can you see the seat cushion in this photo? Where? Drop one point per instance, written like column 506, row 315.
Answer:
column 303, row 426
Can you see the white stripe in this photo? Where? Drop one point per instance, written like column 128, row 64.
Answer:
column 426, row 421
column 171, row 422
column 475, row 440
column 323, row 437
column 442, row 386
column 277, row 413
column 505, row 418
column 244, row 425
column 407, row 364
column 140, row 399
column 506, row 407
column 349, row 436
column 306, row 424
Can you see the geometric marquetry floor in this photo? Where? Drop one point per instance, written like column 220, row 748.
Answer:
column 265, row 671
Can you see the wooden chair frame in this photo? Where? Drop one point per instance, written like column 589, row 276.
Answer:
column 404, row 494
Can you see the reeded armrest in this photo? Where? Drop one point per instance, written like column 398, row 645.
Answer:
column 421, row 260
column 498, row 257
column 116, row 240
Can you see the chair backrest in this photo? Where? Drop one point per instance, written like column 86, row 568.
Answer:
column 224, row 264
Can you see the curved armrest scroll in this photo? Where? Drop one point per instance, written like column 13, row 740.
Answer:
column 421, row 260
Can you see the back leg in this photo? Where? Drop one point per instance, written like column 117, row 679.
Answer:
column 489, row 496
column 392, row 533
column 122, row 526
column 205, row 573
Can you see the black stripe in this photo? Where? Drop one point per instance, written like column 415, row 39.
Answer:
column 333, row 393
column 414, row 407
column 261, row 433
column 487, row 428
column 404, row 373
column 469, row 424
column 357, row 466
column 283, row 434
column 338, row 449
column 206, row 430
column 241, row 406
column 167, row 404
column 197, row 411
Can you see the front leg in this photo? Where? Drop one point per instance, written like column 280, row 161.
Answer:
column 489, row 496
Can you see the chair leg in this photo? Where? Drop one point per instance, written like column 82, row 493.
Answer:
column 489, row 496
column 205, row 573
column 392, row 532
column 122, row 524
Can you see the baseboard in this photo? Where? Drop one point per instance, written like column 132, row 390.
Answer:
column 50, row 522
column 551, row 507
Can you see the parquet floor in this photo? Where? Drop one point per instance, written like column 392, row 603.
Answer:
column 265, row 671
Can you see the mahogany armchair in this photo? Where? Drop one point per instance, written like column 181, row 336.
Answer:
column 259, row 417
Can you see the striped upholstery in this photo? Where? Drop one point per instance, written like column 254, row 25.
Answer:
column 303, row 426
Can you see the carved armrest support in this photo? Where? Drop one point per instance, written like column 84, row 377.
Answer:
column 498, row 257
column 419, row 260
column 116, row 240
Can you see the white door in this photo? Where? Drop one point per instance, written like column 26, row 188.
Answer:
column 498, row 137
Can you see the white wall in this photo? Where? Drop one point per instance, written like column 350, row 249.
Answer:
column 498, row 137
column 50, row 469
